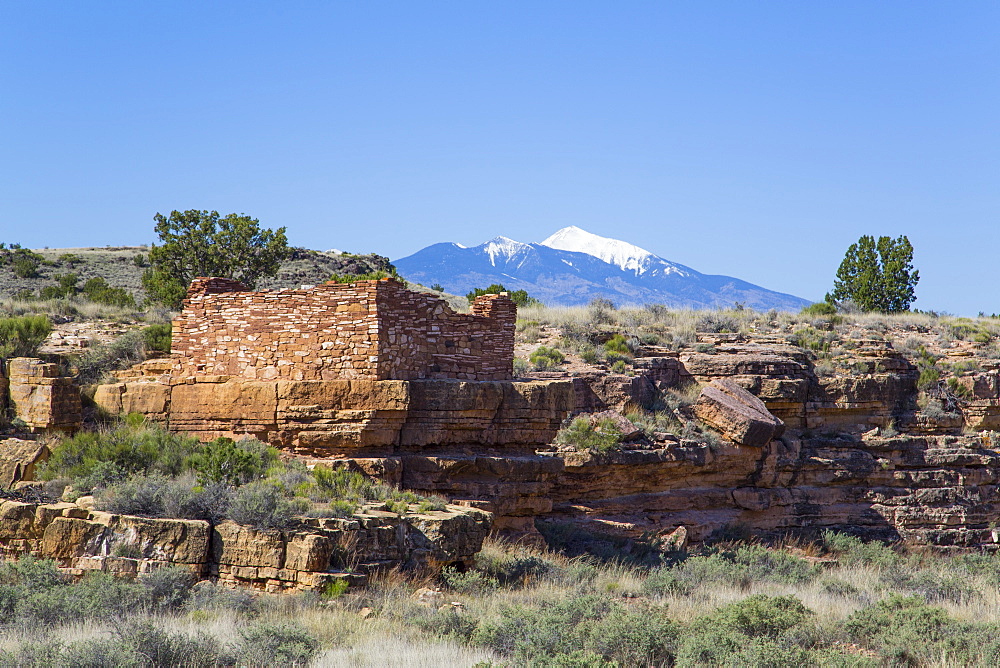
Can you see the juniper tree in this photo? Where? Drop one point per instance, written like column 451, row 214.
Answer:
column 200, row 243
column 877, row 275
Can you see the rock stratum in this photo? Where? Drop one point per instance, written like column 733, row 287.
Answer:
column 309, row 557
column 800, row 451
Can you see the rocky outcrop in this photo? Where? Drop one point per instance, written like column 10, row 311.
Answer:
column 305, row 558
column 356, row 418
column 41, row 397
column 880, row 389
column 19, row 460
column 939, row 490
column 738, row 415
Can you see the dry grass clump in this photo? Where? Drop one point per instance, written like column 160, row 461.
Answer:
column 78, row 309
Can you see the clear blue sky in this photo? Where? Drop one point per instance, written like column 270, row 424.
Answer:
column 755, row 139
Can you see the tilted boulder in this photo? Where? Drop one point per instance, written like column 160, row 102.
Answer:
column 738, row 415
column 19, row 459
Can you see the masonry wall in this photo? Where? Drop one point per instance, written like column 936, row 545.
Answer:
column 421, row 337
column 369, row 329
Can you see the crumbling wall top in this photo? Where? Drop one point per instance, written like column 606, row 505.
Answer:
column 213, row 285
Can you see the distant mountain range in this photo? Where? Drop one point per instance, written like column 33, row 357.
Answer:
column 573, row 267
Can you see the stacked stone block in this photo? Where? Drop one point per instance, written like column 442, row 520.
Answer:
column 41, row 397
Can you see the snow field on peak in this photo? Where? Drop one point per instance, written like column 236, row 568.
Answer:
column 504, row 247
column 622, row 254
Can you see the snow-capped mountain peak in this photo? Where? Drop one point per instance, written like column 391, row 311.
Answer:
column 504, row 247
column 573, row 267
column 622, row 254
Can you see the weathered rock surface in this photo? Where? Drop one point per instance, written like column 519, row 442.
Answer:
column 307, row 557
column 939, row 490
column 42, row 398
column 338, row 418
column 738, row 415
column 19, row 459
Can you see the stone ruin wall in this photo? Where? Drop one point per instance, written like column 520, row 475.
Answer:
column 375, row 330
column 421, row 337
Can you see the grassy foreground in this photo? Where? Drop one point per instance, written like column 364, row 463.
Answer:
column 838, row 602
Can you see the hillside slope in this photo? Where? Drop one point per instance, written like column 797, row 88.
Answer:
column 123, row 266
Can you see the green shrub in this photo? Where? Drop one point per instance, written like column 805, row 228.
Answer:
column 21, row 336
column 157, row 337
column 711, row 647
column 31, row 573
column 341, row 483
column 513, row 569
column 169, row 587
column 813, row 339
column 929, row 377
column 719, row 322
column 429, row 505
column 261, row 505
column 520, row 367
column 96, row 596
column 335, row 588
column 134, row 447
column 959, row 390
column 209, row 597
column 600, row 311
column 145, row 643
column 760, row 615
column 544, row 358
column 583, row 436
column 396, row 506
column 933, row 586
column 819, row 309
column 594, row 624
column 741, row 567
column 908, row 631
column 274, row 644
column 473, row 582
column 618, row 344
column 66, row 287
column 97, row 290
column 852, row 551
column 26, row 266
column 226, row 461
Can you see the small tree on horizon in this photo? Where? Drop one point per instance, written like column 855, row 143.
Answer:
column 519, row 297
column 877, row 275
column 200, row 243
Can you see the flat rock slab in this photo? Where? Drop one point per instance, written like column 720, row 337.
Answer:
column 738, row 415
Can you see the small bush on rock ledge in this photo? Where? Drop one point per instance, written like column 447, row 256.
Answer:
column 581, row 435
column 141, row 469
column 545, row 358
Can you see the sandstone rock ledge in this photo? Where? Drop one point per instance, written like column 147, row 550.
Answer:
column 305, row 558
